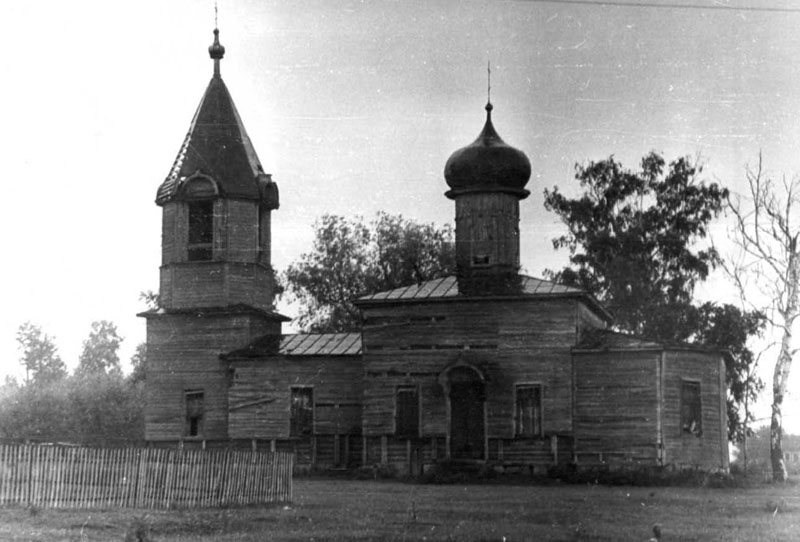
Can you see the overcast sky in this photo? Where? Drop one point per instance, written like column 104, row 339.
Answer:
column 354, row 107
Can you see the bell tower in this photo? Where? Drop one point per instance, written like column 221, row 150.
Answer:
column 216, row 281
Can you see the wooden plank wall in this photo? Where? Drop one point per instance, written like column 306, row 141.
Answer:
column 260, row 392
column 616, row 406
column 183, row 354
column 241, row 231
column 510, row 342
column 72, row 477
column 710, row 449
column 216, row 284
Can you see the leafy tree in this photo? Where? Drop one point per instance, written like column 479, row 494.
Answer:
column 38, row 413
column 105, row 409
column 728, row 328
column 632, row 239
column 39, row 355
column 767, row 272
column 350, row 258
column 100, row 349
column 139, row 364
column 151, row 299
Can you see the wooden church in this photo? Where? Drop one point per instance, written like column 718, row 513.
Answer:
column 488, row 366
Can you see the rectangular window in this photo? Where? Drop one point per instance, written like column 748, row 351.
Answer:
column 301, row 416
column 406, row 422
column 529, row 410
column 194, row 413
column 201, row 230
column 691, row 417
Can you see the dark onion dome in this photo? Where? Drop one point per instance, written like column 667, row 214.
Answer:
column 488, row 165
column 215, row 50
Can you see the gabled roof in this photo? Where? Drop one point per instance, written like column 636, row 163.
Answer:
column 447, row 288
column 301, row 344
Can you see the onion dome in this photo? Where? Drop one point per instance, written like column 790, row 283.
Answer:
column 488, row 165
column 215, row 50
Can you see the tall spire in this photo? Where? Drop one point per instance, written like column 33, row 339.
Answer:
column 216, row 52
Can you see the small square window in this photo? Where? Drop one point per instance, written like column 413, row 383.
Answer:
column 691, row 413
column 529, row 410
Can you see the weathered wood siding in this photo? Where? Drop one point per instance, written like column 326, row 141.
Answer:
column 260, row 394
column 169, row 234
column 616, row 405
column 510, row 342
column 215, row 284
column 481, row 212
column 239, row 271
column 710, row 449
column 183, row 354
column 239, row 231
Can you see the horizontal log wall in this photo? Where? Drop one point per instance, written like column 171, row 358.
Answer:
column 510, row 342
column 709, row 450
column 616, row 405
column 192, row 285
column 71, row 477
column 260, row 393
column 183, row 354
column 239, row 232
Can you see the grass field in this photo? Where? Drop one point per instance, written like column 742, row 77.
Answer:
column 350, row 510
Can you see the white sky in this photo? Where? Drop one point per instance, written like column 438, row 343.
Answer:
column 353, row 107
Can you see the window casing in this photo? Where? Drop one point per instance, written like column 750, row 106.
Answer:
column 691, row 411
column 406, row 423
column 201, row 230
column 301, row 416
column 195, row 411
column 528, row 410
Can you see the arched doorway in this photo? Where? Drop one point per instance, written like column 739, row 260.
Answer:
column 467, row 394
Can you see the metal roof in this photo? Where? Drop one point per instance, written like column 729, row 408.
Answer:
column 320, row 344
column 448, row 287
column 216, row 146
column 300, row 344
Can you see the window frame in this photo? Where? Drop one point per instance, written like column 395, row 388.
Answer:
column 301, row 427
column 407, row 432
column 194, row 418
column 200, row 241
column 519, row 431
column 686, row 426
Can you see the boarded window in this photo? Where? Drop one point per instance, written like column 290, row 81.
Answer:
column 691, row 418
column 407, row 412
column 529, row 410
column 194, row 413
column 301, row 417
column 201, row 230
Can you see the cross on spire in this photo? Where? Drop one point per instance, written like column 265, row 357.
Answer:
column 489, row 82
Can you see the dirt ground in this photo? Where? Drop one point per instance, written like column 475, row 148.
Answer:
column 355, row 510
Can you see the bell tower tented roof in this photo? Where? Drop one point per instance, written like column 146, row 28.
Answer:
column 217, row 145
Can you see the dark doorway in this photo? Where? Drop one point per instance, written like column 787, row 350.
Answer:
column 467, row 396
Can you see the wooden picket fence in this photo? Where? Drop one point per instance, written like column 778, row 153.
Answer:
column 77, row 477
